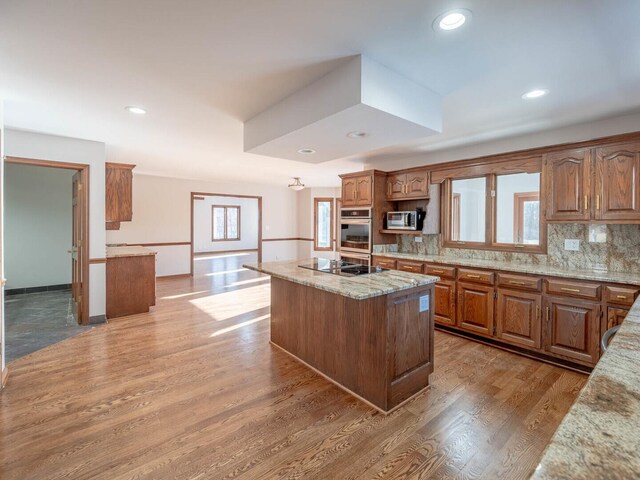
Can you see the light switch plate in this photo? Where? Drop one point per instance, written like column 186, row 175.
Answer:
column 571, row 244
column 418, row 239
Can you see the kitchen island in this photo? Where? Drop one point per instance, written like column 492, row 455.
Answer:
column 131, row 280
column 371, row 335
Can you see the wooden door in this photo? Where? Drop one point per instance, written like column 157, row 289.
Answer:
column 618, row 182
column 78, row 244
column 349, row 192
column 445, row 302
column 572, row 329
column 567, row 178
column 395, row 186
column 417, row 184
column 364, row 191
column 518, row 318
column 475, row 308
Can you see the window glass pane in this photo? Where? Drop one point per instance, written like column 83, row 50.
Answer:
column 323, row 229
column 218, row 223
column 518, row 208
column 233, row 223
column 468, row 209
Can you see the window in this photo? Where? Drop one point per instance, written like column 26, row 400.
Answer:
column 495, row 211
column 323, row 223
column 225, row 223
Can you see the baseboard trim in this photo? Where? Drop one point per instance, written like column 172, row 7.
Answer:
column 97, row 319
column 44, row 288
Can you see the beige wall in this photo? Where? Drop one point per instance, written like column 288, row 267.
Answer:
column 162, row 213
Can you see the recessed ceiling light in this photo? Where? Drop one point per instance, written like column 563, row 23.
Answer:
column 452, row 19
column 357, row 134
column 136, row 110
column 307, row 151
column 537, row 93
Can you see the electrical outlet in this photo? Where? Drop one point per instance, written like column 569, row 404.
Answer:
column 418, row 239
column 572, row 244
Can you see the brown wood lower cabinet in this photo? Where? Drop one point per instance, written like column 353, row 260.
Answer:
column 475, row 308
column 131, row 285
column 549, row 317
column 445, row 302
column 518, row 318
column 573, row 329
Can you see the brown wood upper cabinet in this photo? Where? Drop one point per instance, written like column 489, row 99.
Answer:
column 118, row 193
column 410, row 185
column 357, row 191
column 617, row 186
column 600, row 184
column 567, row 175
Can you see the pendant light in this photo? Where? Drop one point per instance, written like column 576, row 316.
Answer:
column 297, row 184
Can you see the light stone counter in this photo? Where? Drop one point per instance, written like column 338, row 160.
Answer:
column 129, row 251
column 357, row 287
column 600, row 436
column 629, row 278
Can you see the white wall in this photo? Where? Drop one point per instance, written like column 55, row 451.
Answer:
column 162, row 214
column 20, row 143
column 574, row 133
column 305, row 220
column 37, row 225
column 203, row 223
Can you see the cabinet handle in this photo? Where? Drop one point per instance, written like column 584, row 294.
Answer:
column 586, row 203
column 468, row 275
column 514, row 282
column 547, row 315
column 621, row 297
column 597, row 202
column 437, row 271
column 574, row 290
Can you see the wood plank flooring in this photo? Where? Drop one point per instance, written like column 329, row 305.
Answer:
column 193, row 390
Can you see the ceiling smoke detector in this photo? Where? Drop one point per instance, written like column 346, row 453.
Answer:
column 297, row 184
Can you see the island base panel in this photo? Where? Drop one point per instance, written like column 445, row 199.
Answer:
column 380, row 349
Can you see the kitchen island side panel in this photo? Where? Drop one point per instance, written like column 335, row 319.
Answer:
column 343, row 338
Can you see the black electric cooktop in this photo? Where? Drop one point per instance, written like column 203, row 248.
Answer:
column 339, row 267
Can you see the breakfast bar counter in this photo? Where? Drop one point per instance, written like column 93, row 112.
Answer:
column 371, row 335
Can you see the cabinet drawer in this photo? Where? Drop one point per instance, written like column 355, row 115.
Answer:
column 573, row 289
column 440, row 271
column 389, row 263
column 519, row 282
column 620, row 295
column 413, row 267
column 476, row 276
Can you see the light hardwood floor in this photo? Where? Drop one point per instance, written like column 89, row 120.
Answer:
column 194, row 390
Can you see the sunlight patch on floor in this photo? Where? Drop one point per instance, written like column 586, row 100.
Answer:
column 239, row 325
column 198, row 258
column 222, row 306
column 182, row 295
column 224, row 272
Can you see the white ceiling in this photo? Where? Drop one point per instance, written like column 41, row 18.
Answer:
column 202, row 67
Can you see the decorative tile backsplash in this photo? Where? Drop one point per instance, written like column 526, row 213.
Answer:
column 619, row 252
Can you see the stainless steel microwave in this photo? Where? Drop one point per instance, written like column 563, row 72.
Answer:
column 407, row 220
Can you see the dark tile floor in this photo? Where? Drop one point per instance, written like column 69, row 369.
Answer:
column 37, row 320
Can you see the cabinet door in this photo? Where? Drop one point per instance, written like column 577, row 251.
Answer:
column 364, row 191
column 615, row 316
column 395, row 186
column 618, row 182
column 567, row 180
column 348, row 192
column 383, row 262
column 417, row 184
column 518, row 318
column 475, row 308
column 573, row 329
column 445, row 302
column 118, row 192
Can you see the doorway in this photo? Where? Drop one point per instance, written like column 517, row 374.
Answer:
column 46, row 253
column 224, row 226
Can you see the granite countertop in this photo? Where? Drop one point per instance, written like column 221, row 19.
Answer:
column 600, row 436
column 129, row 251
column 595, row 275
column 358, row 287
